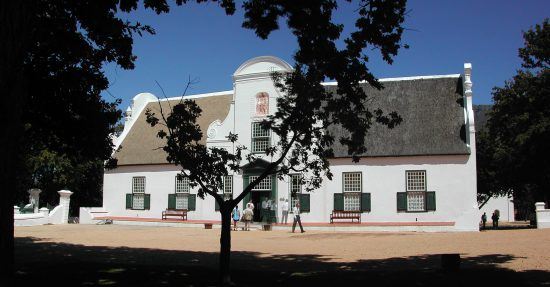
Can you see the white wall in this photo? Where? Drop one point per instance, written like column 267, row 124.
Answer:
column 504, row 204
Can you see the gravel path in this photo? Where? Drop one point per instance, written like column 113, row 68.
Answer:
column 517, row 250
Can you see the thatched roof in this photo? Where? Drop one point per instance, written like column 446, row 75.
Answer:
column 433, row 119
column 431, row 108
column 142, row 146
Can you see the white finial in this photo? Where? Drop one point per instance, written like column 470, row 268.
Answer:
column 128, row 113
column 468, row 79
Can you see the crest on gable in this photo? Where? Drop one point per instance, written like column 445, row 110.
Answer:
column 262, row 104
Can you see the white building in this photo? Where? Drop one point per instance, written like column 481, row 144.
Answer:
column 421, row 173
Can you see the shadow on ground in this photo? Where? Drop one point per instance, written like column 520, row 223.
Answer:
column 38, row 263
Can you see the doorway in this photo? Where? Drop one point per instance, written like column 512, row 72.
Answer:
column 257, row 197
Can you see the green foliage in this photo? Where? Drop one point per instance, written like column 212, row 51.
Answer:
column 513, row 155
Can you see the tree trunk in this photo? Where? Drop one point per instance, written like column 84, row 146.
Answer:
column 14, row 21
column 225, row 245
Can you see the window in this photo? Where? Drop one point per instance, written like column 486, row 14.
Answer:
column 416, row 190
column 182, row 193
column 228, row 184
column 295, row 189
column 138, row 192
column 261, row 138
column 352, row 190
column 264, row 184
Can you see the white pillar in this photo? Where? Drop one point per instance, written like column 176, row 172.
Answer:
column 539, row 205
column 34, row 197
column 44, row 211
column 64, row 202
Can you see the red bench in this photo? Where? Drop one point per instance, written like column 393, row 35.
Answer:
column 345, row 214
column 174, row 213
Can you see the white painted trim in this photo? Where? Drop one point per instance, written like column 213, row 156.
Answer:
column 222, row 93
column 403, row 79
column 271, row 59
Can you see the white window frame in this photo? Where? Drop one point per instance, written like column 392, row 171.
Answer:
column 352, row 187
column 416, row 187
column 261, row 138
column 182, row 193
column 228, row 184
column 264, row 184
column 295, row 197
column 138, row 192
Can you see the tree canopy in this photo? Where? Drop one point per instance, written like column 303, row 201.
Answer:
column 304, row 111
column 513, row 153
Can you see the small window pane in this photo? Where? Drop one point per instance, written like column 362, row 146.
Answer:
column 265, row 184
column 352, row 201
column 416, row 180
column 228, row 184
column 295, row 189
column 138, row 184
column 182, row 185
column 182, row 201
column 138, row 201
column 352, row 182
column 416, row 201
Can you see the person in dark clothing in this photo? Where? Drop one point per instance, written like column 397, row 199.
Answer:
column 484, row 219
column 495, row 218
column 296, row 211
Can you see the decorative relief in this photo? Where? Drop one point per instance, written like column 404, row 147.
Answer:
column 262, row 104
column 213, row 129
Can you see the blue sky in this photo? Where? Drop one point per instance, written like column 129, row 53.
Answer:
column 201, row 42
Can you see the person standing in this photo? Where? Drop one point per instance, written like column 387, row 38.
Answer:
column 263, row 212
column 296, row 211
column 484, row 219
column 248, row 214
column 495, row 218
column 236, row 215
column 284, row 219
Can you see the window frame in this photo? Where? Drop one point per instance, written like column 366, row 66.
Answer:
column 416, row 191
column 251, row 178
column 296, row 197
column 354, row 193
column 136, row 194
column 255, row 138
column 182, row 196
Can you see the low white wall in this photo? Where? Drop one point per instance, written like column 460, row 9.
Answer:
column 504, row 204
column 543, row 215
column 87, row 215
column 30, row 219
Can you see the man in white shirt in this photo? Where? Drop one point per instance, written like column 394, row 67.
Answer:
column 296, row 211
column 285, row 211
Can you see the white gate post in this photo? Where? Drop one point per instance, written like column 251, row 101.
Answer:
column 64, row 202
column 34, row 197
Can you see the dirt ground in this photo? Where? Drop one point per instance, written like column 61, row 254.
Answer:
column 524, row 253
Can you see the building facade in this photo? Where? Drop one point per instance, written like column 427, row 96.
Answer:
column 422, row 173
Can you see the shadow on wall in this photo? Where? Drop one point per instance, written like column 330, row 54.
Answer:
column 78, row 265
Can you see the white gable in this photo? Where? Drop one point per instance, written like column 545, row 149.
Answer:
column 261, row 66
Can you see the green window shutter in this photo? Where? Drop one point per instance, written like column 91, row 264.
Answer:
column 430, row 201
column 401, row 201
column 216, row 205
column 129, row 198
column 365, row 201
column 192, row 201
column 273, row 194
column 172, row 201
column 304, row 202
column 147, row 202
column 338, row 201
